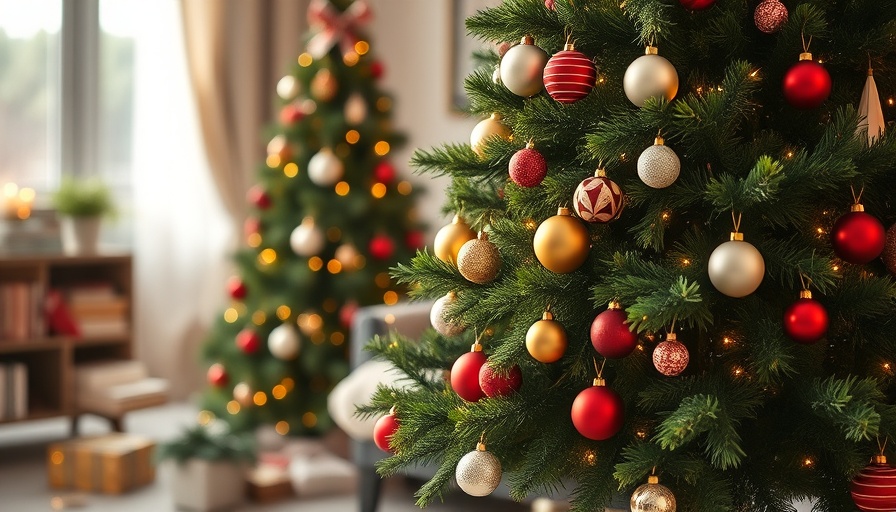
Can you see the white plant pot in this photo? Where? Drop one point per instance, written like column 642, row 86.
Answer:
column 205, row 485
column 80, row 235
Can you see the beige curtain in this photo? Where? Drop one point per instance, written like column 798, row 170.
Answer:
column 236, row 52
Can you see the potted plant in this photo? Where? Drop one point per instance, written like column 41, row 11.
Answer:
column 208, row 465
column 81, row 203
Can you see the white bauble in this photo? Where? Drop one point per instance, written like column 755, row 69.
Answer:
column 478, row 473
column 485, row 130
column 306, row 239
column 347, row 255
column 736, row 268
column 649, row 76
column 522, row 68
column 440, row 322
column 284, row 342
column 288, row 87
column 658, row 165
column 325, row 168
column 355, row 109
column 242, row 393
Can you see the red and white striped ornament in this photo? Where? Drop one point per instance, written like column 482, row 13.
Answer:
column 569, row 75
column 671, row 357
column 527, row 167
column 598, row 199
column 874, row 488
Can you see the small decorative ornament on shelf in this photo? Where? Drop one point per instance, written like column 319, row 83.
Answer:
column 465, row 374
column 522, row 68
column 653, row 497
column 486, row 129
column 807, row 84
column 858, row 237
column 658, row 165
column 546, row 339
column 649, row 76
column 806, row 320
column 598, row 412
column 598, row 198
column 479, row 472
column 562, row 242
column 736, row 268
column 671, row 357
column 451, row 238
column 569, row 75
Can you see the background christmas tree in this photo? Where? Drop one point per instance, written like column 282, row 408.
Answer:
column 330, row 216
column 740, row 211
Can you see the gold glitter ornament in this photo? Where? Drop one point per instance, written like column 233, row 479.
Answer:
column 479, row 260
column 653, row 497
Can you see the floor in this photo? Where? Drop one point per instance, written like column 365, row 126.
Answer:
column 23, row 485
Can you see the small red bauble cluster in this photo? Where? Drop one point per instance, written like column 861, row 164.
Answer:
column 259, row 197
column 598, row 412
column 236, row 288
column 806, row 320
column 465, row 374
column 381, row 247
column 610, row 333
column 496, row 384
column 217, row 375
column 248, row 341
column 527, row 167
column 383, row 431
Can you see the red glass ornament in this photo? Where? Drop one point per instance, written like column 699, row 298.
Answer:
column 598, row 412
column 251, row 226
column 236, row 288
column 217, row 375
column 770, row 16
column 383, row 431
column 376, row 69
column 465, row 375
column 527, row 167
column 248, row 341
column 384, row 172
column 347, row 313
column 610, row 334
column 806, row 84
column 569, row 75
column 858, row 237
column 259, row 197
column 598, row 199
column 381, row 247
column 697, row 5
column 414, row 240
column 806, row 320
column 671, row 357
column 291, row 114
column 494, row 383
column 874, row 488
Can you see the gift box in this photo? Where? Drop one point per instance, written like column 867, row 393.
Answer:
column 268, row 483
column 110, row 464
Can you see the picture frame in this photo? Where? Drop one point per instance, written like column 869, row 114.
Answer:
column 461, row 48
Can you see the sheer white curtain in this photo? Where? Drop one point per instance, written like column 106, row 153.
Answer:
column 183, row 235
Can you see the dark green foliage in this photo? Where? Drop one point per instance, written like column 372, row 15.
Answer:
column 209, row 443
column 756, row 420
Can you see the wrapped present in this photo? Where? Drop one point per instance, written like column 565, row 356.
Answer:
column 268, row 483
column 322, row 474
column 110, row 464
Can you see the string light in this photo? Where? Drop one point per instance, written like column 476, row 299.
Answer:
column 641, row 434
column 291, row 170
column 330, row 305
column 685, row 262
column 334, row 266
column 404, row 188
column 755, row 73
column 233, row 407
column 258, row 318
column 282, row 428
column 267, row 256
column 57, row 457
column 890, row 102
column 789, row 154
column 260, row 398
column 394, row 344
column 726, row 341
column 318, row 337
column 337, row 338
column 315, row 263
column 309, row 419
column 389, row 319
column 378, row 190
column 382, row 280
column 288, row 383
column 360, row 261
column 279, row 392
column 273, row 161
column 362, row 47
column 808, row 462
column 381, row 148
column 205, row 417
column 283, row 312
column 530, row 224
column 666, row 215
column 383, row 104
column 305, row 60
column 590, row 457
column 887, row 367
column 390, row 298
column 231, row 315
column 737, row 371
column 350, row 59
column 334, row 234
column 254, row 240
column 352, row 136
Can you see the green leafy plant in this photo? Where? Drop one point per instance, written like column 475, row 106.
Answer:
column 214, row 442
column 85, row 197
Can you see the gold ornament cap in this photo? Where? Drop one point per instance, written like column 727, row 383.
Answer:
column 653, row 479
column 480, row 447
column 599, row 381
column 568, row 47
column 805, row 56
column 659, row 141
column 651, row 50
column 476, row 347
column 805, row 294
column 880, row 459
column 614, row 304
column 671, row 337
column 496, row 116
column 527, row 39
column 483, row 236
column 563, row 211
column 547, row 315
column 737, row 236
column 600, row 173
column 530, row 145
column 858, row 207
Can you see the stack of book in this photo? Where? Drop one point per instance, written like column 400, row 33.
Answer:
column 98, row 310
column 20, row 311
column 13, row 391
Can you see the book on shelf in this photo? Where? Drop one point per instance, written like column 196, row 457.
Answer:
column 21, row 314
column 13, row 391
column 90, row 310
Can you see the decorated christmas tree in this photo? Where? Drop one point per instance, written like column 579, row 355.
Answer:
column 329, row 217
column 708, row 317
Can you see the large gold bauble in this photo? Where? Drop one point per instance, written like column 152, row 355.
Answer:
column 451, row 238
column 546, row 339
column 653, row 497
column 479, row 260
column 324, row 85
column 562, row 243
column 485, row 130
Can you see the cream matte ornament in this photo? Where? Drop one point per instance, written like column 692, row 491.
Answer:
column 355, row 109
column 440, row 321
column 487, row 129
column 306, row 239
column 451, row 238
column 479, row 472
column 736, row 268
column 562, row 242
column 325, row 169
column 653, row 497
column 871, row 114
column 288, row 87
column 658, row 165
column 522, row 68
column 650, row 76
column 479, row 260
column 284, row 342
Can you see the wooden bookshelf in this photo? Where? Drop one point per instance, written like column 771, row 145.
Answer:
column 51, row 358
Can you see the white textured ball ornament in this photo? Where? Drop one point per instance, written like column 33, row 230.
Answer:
column 650, row 76
column 658, row 165
column 598, row 198
column 284, row 342
column 288, row 87
column 522, row 68
column 485, row 130
column 736, row 268
column 478, row 472
column 325, row 168
column 440, row 322
column 306, row 239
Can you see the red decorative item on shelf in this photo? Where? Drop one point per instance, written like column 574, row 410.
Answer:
column 770, row 16
column 381, row 247
column 465, row 374
column 697, row 5
column 376, row 69
column 384, row 429
column 347, row 313
column 291, row 114
column 874, row 488
column 569, row 75
column 527, row 167
column 217, row 375
column 236, row 288
column 610, row 333
column 495, row 384
column 671, row 357
column 858, row 237
column 414, row 240
column 384, row 172
column 598, row 199
column 806, row 320
column 807, row 84
column 251, row 226
column 259, row 197
column 598, row 412
column 248, row 341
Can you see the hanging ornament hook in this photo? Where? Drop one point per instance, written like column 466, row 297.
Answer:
column 736, row 219
column 857, row 198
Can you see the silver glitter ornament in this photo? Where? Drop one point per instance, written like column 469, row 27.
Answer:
column 522, row 68
column 658, row 165
column 440, row 322
column 653, row 497
column 478, row 472
column 736, row 268
column 650, row 76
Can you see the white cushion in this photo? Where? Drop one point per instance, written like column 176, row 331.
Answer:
column 357, row 389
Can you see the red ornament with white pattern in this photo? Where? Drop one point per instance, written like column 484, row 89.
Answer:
column 569, row 75
column 874, row 488
column 598, row 199
column 671, row 357
column 598, row 412
column 527, row 167
column 248, row 341
column 770, row 16
column 383, row 431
